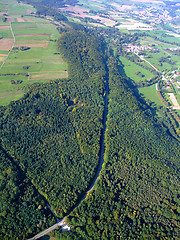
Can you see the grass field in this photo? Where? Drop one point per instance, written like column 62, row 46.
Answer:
column 39, row 62
column 151, row 94
column 131, row 68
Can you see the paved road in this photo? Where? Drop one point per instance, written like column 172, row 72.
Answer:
column 62, row 222
column 142, row 58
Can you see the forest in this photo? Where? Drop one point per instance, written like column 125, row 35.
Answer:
column 136, row 195
column 23, row 211
column 50, row 149
column 53, row 133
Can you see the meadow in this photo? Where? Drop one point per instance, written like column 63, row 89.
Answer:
column 131, row 68
column 151, row 94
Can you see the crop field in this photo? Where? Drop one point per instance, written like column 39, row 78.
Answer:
column 34, row 57
column 131, row 68
column 47, row 75
column 151, row 94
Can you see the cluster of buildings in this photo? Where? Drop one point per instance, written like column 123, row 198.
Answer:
column 171, row 78
column 154, row 15
column 136, row 49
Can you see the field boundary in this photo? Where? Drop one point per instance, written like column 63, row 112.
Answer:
column 45, row 72
column 11, row 47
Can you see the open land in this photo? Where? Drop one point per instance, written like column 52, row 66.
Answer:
column 34, row 57
column 151, row 94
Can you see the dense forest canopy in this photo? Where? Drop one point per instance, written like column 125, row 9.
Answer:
column 53, row 133
column 136, row 196
column 23, row 211
column 50, row 147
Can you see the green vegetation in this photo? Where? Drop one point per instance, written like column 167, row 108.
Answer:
column 52, row 137
column 151, row 94
column 54, row 131
column 131, row 69
column 137, row 191
column 23, row 211
column 24, row 65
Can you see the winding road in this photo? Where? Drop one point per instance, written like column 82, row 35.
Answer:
column 102, row 149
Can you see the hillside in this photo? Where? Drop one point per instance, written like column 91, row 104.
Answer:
column 136, row 196
column 53, row 133
column 52, row 143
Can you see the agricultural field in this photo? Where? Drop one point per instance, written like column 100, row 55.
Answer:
column 151, row 94
column 161, row 50
column 131, row 70
column 27, row 51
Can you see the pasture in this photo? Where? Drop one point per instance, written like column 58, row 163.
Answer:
column 131, row 68
column 151, row 94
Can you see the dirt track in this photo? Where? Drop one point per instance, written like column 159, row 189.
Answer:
column 174, row 101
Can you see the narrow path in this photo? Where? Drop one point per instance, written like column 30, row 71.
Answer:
column 11, row 47
column 101, row 159
column 142, row 58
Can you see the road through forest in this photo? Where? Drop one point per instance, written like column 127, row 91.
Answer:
column 101, row 159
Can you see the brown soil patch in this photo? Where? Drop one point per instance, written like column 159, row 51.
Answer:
column 2, row 13
column 174, row 101
column 77, row 11
column 10, row 20
column 29, row 40
column 27, row 20
column 47, row 75
column 4, row 27
column 31, row 35
column 23, row 27
column 121, row 8
column 31, row 45
column 28, row 11
column 46, row 45
column 20, row 19
column 3, row 55
column 6, row 44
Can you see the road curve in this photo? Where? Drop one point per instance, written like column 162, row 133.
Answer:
column 101, row 159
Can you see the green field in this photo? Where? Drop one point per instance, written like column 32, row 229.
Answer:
column 151, row 94
column 5, row 33
column 154, row 57
column 131, row 68
column 39, row 62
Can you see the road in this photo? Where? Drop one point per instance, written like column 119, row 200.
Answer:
column 61, row 223
column 11, row 47
column 101, row 159
column 142, row 58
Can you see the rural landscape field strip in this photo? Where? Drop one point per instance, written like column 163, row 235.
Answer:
column 34, row 36
column 10, row 50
